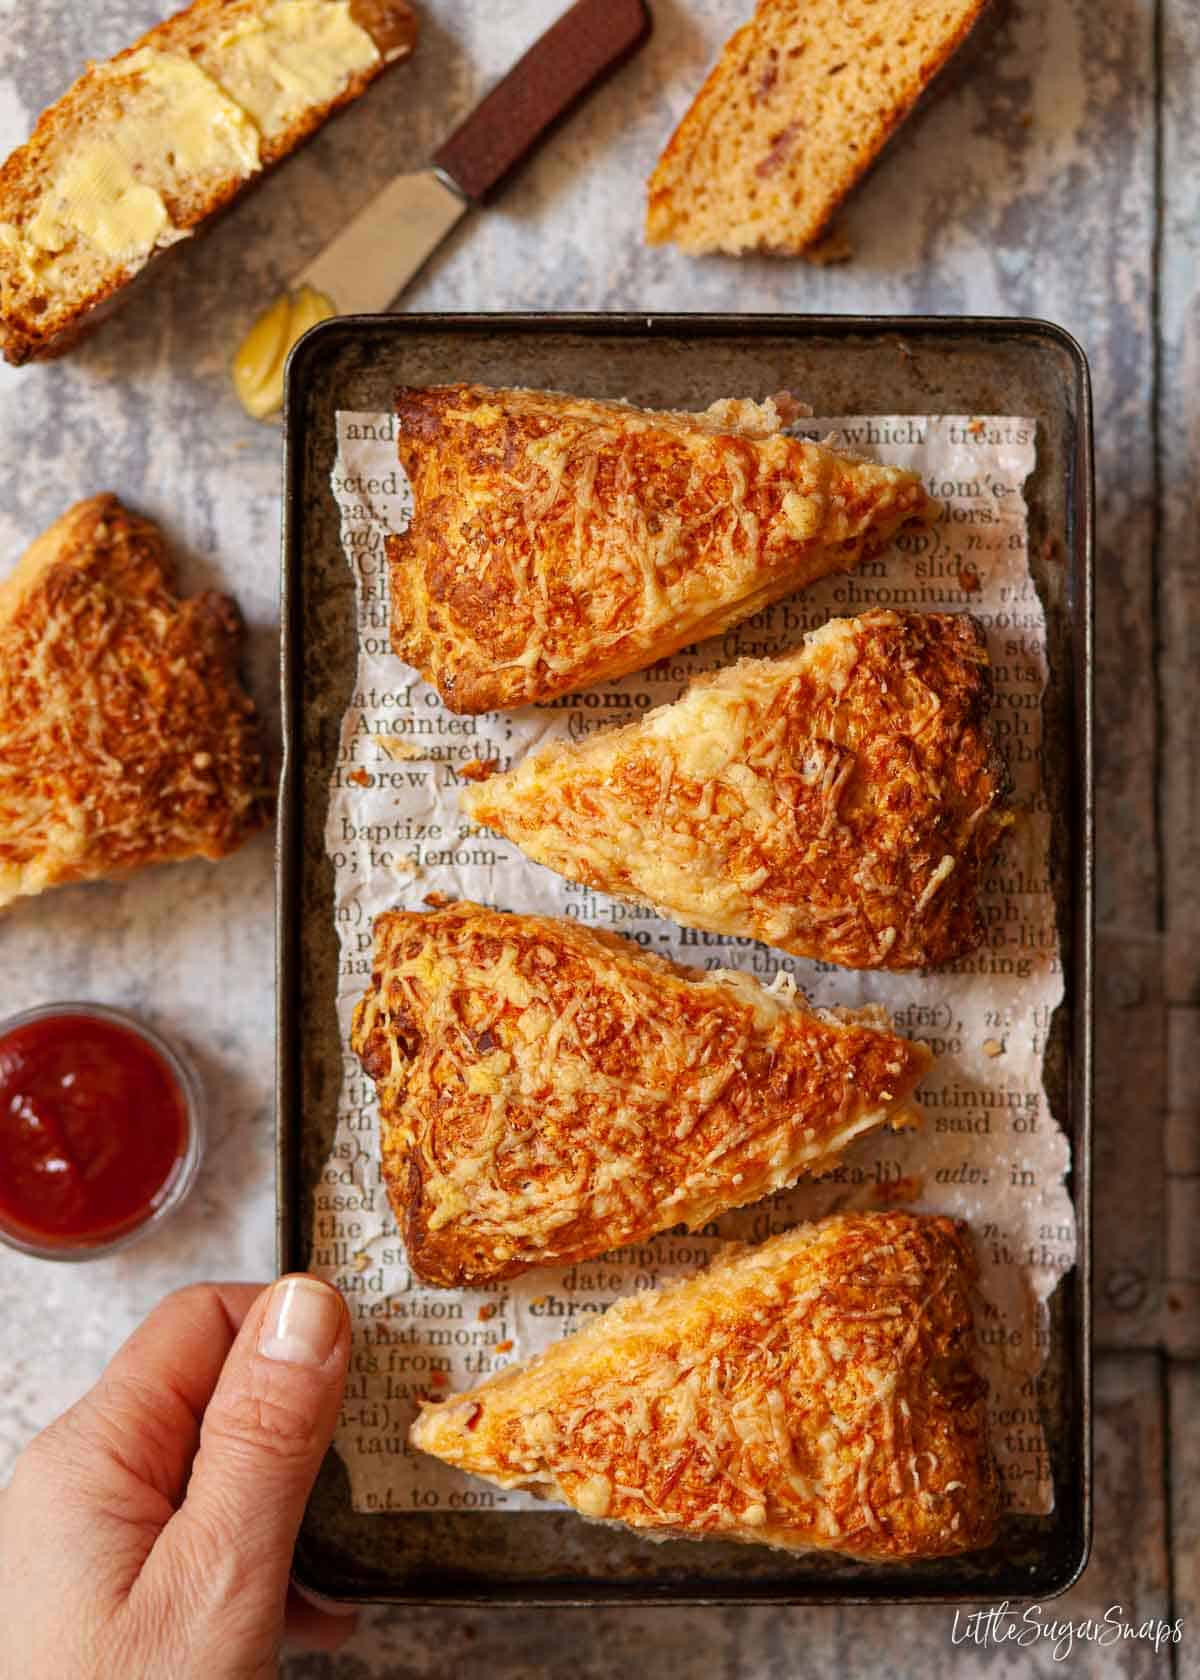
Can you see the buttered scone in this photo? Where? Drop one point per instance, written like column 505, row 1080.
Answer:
column 840, row 801
column 549, row 1092
column 815, row 1394
column 558, row 542
column 125, row 737
column 145, row 148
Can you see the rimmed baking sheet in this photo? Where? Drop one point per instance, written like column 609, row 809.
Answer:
column 841, row 366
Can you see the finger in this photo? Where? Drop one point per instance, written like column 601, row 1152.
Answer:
column 95, row 1488
column 307, row 1627
column 144, row 1413
column 134, row 1433
column 266, row 1430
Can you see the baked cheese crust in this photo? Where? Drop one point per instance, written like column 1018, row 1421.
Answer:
column 814, row 1394
column 840, row 801
column 549, row 1092
column 125, row 737
column 559, row 542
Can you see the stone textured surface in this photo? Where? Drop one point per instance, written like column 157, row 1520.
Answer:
column 1029, row 187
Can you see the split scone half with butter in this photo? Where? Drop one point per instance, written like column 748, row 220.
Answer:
column 125, row 736
column 815, row 1394
column 558, row 541
column 549, row 1092
column 147, row 146
column 840, row 801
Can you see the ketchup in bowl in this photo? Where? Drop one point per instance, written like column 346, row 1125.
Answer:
column 99, row 1130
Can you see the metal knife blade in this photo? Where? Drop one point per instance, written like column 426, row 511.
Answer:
column 364, row 268
column 375, row 256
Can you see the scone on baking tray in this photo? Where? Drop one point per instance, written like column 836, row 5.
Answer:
column 816, row 1394
column 558, row 541
column 125, row 737
column 147, row 146
column 799, row 105
column 549, row 1092
column 840, row 801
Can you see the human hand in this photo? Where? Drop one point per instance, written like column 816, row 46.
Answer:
column 147, row 1534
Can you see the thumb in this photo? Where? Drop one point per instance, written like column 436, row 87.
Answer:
column 265, row 1431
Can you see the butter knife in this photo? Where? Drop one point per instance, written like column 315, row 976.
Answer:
column 364, row 267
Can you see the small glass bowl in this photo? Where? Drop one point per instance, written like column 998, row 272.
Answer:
column 175, row 1187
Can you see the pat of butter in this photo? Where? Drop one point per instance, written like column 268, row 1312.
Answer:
column 194, row 125
column 258, row 365
column 99, row 196
column 295, row 54
column 179, row 124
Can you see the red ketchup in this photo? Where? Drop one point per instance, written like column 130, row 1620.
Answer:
column 93, row 1128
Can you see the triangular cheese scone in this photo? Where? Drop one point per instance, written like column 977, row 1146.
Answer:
column 125, row 737
column 799, row 105
column 839, row 801
column 549, row 1092
column 558, row 542
column 817, row 1393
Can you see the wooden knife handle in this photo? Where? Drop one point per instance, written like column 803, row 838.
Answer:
column 575, row 53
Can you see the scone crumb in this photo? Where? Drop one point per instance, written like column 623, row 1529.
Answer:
column 395, row 746
column 833, row 249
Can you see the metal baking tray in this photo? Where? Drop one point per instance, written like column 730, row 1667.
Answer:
column 843, row 365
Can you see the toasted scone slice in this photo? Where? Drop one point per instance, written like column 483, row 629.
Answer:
column 549, row 1092
column 145, row 148
column 125, row 737
column 797, row 108
column 840, row 801
column 815, row 1394
column 558, row 542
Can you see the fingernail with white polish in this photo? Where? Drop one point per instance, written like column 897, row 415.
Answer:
column 302, row 1322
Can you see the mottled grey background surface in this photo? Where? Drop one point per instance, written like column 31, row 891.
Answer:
column 1058, row 175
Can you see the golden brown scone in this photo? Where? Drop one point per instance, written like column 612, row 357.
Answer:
column 815, row 1394
column 840, row 801
column 125, row 737
column 549, row 1092
column 558, row 542
column 799, row 105
column 144, row 148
